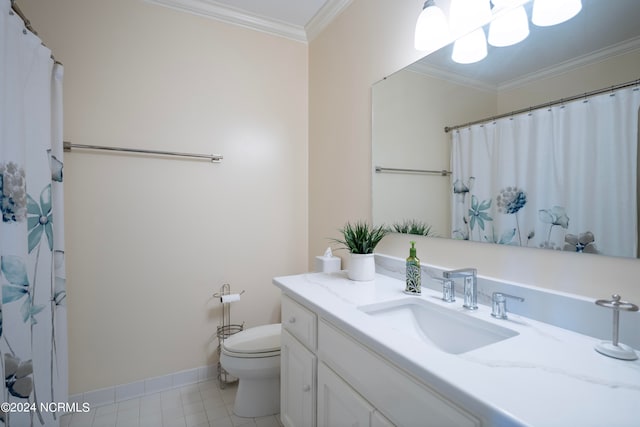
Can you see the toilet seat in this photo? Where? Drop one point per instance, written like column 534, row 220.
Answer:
column 256, row 342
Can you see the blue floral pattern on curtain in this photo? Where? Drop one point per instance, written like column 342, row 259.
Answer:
column 33, row 338
column 551, row 178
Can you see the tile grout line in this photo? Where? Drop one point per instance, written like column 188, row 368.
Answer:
column 201, row 404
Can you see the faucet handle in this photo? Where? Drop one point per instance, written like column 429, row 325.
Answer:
column 499, row 304
column 448, row 290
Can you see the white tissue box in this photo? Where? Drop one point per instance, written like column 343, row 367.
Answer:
column 328, row 264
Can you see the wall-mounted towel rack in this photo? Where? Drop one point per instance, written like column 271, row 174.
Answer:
column 215, row 158
column 380, row 169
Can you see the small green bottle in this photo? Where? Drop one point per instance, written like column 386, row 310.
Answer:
column 413, row 272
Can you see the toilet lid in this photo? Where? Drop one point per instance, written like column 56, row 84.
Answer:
column 260, row 339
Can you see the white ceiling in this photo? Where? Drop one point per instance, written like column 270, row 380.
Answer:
column 299, row 20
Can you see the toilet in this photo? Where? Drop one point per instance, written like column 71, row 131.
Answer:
column 253, row 356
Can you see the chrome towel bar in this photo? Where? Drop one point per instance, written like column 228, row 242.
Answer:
column 215, row 158
column 380, row 169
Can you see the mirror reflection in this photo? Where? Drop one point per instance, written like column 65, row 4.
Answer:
column 598, row 48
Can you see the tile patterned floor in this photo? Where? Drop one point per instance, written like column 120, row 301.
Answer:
column 197, row 405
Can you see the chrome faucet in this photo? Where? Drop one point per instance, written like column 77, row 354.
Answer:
column 470, row 285
column 499, row 304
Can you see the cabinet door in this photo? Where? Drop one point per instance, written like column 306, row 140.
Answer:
column 338, row 404
column 297, row 383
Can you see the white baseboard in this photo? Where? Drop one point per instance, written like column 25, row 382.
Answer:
column 118, row 393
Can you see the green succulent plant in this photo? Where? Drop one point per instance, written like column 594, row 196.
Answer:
column 361, row 237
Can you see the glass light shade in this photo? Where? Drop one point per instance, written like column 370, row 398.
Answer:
column 432, row 30
column 467, row 15
column 503, row 3
column 470, row 48
column 551, row 12
column 509, row 27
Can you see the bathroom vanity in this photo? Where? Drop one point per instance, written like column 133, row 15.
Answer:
column 366, row 354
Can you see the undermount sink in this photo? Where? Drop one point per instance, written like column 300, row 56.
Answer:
column 449, row 330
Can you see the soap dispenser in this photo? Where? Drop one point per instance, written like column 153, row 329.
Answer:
column 413, row 272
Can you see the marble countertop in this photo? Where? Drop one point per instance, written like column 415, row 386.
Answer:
column 545, row 376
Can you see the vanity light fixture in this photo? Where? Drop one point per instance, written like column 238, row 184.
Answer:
column 464, row 15
column 510, row 25
column 551, row 12
column 432, row 29
column 470, row 48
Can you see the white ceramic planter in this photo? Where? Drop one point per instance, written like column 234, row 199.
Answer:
column 362, row 267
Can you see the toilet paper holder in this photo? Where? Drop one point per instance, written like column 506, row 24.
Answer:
column 225, row 330
column 226, row 296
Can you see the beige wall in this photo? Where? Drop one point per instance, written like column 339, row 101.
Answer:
column 370, row 40
column 150, row 239
column 608, row 72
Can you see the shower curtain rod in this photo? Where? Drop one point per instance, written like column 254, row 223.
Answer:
column 215, row 158
column 27, row 24
column 547, row 104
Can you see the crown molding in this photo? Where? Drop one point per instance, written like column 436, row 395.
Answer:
column 580, row 61
column 555, row 70
column 429, row 70
column 326, row 14
column 215, row 10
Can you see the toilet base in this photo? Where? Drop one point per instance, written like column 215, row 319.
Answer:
column 257, row 398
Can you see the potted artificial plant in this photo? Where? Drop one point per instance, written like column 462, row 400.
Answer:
column 413, row 226
column 361, row 239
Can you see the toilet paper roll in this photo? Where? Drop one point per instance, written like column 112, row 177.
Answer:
column 230, row 298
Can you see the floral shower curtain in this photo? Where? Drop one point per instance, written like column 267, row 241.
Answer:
column 33, row 336
column 558, row 178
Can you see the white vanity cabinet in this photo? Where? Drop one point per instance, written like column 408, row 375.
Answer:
column 297, row 365
column 340, row 405
column 346, row 363
column 329, row 379
column 394, row 394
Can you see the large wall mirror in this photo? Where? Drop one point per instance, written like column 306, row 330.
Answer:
column 411, row 152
